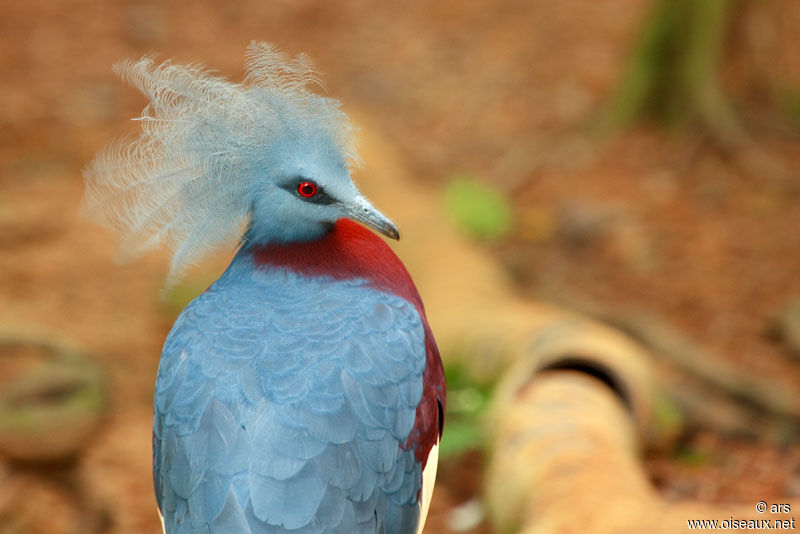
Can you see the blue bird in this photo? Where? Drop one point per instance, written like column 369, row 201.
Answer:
column 303, row 391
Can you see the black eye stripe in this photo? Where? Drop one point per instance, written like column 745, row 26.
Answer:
column 321, row 197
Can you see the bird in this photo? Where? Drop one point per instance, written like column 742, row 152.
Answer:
column 303, row 391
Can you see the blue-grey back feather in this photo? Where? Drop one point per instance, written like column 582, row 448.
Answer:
column 261, row 428
column 186, row 181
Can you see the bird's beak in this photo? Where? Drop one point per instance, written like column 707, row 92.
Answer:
column 361, row 210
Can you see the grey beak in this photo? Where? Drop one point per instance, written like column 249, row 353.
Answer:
column 360, row 209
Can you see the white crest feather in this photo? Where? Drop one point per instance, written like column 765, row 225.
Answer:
column 184, row 181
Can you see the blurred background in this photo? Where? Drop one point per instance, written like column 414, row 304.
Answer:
column 635, row 160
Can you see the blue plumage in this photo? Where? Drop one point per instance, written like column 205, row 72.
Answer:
column 289, row 410
column 302, row 392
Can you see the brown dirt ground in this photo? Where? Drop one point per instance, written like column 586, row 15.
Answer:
column 651, row 220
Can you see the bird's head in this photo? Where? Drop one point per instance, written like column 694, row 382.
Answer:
column 266, row 158
column 306, row 190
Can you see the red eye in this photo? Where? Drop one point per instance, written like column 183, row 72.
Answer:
column 307, row 189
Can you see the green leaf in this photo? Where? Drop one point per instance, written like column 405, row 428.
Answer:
column 467, row 400
column 478, row 210
column 460, row 436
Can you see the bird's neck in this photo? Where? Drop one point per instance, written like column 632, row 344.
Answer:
column 348, row 251
column 273, row 229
